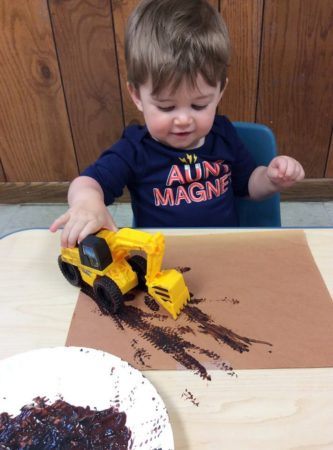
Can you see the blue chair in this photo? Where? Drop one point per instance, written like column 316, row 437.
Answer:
column 260, row 142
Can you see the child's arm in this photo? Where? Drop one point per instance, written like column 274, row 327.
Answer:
column 87, row 212
column 282, row 172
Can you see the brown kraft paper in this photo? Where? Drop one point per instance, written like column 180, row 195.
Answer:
column 257, row 301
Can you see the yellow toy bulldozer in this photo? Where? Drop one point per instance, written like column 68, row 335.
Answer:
column 103, row 261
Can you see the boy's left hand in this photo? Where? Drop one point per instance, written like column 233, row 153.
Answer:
column 284, row 171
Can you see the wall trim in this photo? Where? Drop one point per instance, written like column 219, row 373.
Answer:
column 315, row 190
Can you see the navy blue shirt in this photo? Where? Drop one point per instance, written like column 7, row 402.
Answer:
column 173, row 187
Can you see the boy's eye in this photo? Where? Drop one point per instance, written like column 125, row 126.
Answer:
column 199, row 107
column 165, row 108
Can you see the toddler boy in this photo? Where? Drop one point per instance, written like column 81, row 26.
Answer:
column 186, row 165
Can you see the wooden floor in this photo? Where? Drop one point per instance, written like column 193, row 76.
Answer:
column 23, row 216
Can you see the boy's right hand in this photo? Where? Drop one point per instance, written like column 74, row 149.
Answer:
column 82, row 219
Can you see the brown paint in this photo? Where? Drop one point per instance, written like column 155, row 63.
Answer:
column 189, row 396
column 62, row 425
column 172, row 340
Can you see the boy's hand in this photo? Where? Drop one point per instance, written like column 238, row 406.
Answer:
column 81, row 220
column 284, row 171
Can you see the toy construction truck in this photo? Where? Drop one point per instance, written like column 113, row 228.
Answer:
column 104, row 261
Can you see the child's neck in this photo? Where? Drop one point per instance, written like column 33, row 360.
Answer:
column 199, row 144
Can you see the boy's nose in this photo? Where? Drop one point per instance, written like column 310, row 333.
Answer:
column 183, row 120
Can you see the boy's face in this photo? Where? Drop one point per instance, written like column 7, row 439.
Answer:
column 181, row 119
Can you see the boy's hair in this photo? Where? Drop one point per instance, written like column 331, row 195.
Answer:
column 169, row 40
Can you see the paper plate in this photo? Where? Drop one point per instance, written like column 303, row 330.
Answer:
column 87, row 377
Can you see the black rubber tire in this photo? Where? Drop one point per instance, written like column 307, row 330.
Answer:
column 139, row 265
column 108, row 294
column 70, row 272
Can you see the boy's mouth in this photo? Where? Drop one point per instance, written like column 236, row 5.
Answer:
column 183, row 133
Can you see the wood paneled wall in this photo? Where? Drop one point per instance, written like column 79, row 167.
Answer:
column 244, row 20
column 63, row 96
column 84, row 37
column 35, row 134
column 296, row 79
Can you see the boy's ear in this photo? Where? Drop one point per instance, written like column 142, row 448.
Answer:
column 135, row 96
column 224, row 89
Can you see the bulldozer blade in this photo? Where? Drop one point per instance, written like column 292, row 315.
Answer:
column 169, row 289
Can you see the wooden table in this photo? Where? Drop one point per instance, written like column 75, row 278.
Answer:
column 260, row 409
